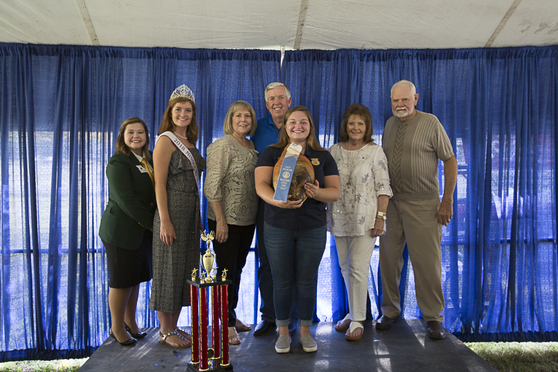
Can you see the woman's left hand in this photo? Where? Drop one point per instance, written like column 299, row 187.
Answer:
column 311, row 189
column 288, row 204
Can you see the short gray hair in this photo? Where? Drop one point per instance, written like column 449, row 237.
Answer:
column 276, row 85
column 404, row 83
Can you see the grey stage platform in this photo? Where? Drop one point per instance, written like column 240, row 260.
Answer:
column 405, row 347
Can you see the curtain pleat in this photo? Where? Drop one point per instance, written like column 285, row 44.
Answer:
column 498, row 107
column 62, row 107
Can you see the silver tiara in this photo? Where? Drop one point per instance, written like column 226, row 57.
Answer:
column 183, row 91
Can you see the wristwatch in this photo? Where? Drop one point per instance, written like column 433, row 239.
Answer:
column 381, row 215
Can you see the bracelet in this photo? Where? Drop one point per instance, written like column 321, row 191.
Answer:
column 381, row 215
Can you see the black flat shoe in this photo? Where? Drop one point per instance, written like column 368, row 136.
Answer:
column 129, row 342
column 263, row 327
column 385, row 322
column 138, row 335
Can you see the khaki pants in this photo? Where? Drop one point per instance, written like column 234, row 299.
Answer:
column 354, row 254
column 414, row 222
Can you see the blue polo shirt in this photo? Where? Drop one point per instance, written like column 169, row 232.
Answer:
column 312, row 214
column 266, row 134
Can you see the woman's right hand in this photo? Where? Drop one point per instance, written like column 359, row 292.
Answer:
column 167, row 233
column 222, row 233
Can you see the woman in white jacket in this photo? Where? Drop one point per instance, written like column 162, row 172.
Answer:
column 358, row 217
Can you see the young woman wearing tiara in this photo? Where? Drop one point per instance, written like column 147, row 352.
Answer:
column 177, row 224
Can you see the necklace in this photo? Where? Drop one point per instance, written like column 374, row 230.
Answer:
column 352, row 157
column 178, row 135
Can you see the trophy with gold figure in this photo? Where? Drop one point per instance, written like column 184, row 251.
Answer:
column 219, row 352
column 208, row 259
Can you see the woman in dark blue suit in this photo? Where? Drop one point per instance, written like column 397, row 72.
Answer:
column 126, row 227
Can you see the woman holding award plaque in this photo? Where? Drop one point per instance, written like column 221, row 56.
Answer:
column 358, row 217
column 177, row 223
column 233, row 205
column 295, row 225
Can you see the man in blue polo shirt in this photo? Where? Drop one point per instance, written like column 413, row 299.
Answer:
column 277, row 101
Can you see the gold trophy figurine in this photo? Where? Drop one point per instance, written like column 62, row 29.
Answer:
column 194, row 274
column 208, row 258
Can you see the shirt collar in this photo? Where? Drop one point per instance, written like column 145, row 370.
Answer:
column 140, row 158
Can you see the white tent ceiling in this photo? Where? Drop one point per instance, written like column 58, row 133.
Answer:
column 288, row 24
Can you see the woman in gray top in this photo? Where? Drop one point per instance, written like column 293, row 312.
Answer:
column 177, row 223
column 233, row 204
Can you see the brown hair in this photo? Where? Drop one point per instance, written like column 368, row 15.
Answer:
column 121, row 146
column 233, row 108
column 168, row 125
column 363, row 112
column 311, row 140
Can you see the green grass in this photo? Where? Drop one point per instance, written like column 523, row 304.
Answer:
column 63, row 365
column 504, row 356
column 518, row 356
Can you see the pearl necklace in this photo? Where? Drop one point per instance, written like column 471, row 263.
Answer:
column 176, row 134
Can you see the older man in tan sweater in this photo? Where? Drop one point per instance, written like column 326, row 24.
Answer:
column 414, row 142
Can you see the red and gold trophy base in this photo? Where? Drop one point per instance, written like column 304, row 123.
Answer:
column 205, row 358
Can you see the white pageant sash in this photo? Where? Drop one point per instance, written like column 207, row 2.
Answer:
column 186, row 153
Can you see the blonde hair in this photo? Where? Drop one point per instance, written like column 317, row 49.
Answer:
column 233, row 108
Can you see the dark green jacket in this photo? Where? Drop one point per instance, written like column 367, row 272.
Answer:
column 131, row 203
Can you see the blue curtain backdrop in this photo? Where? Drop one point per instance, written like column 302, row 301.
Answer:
column 499, row 107
column 62, row 107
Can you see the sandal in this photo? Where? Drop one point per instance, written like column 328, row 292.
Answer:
column 233, row 337
column 241, row 327
column 163, row 340
column 354, row 326
column 183, row 334
column 343, row 324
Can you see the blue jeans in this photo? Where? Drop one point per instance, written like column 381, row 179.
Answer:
column 294, row 256
column 265, row 279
